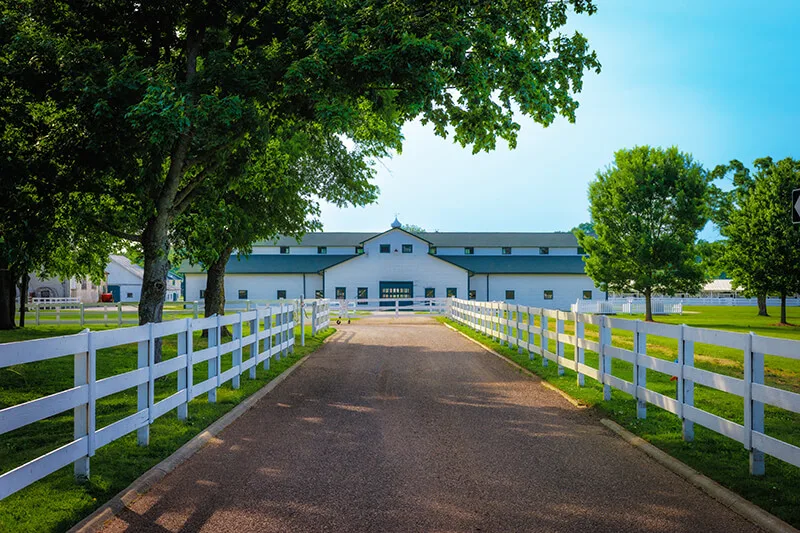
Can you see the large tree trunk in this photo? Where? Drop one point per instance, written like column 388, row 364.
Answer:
column 783, row 307
column 648, row 306
column 7, row 296
column 762, row 304
column 215, row 284
column 23, row 298
column 154, row 280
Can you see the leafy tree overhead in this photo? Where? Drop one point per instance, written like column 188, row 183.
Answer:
column 647, row 209
column 162, row 95
column 763, row 252
column 710, row 255
column 413, row 228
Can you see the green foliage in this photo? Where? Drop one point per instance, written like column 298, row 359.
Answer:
column 763, row 253
column 413, row 228
column 647, row 209
column 710, row 255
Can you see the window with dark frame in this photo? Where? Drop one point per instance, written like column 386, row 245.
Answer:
column 202, row 294
column 359, row 250
column 587, row 295
column 432, row 250
column 408, row 248
column 322, row 250
column 472, row 294
column 281, row 294
column 242, row 295
column 130, row 295
column 509, row 294
column 284, row 249
column 430, row 292
column 385, row 248
column 452, row 292
column 506, row 250
column 469, row 250
column 548, row 295
column 362, row 295
column 319, row 294
column 544, row 250
column 341, row 293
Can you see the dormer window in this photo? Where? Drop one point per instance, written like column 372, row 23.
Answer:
column 469, row 250
column 322, row 250
column 284, row 249
column 544, row 250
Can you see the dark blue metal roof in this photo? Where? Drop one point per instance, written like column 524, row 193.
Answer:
column 274, row 264
column 519, row 264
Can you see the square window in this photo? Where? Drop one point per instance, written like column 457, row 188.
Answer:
column 319, row 294
column 130, row 295
column 385, row 248
column 430, row 292
column 281, row 294
column 362, row 295
column 359, row 250
column 322, row 250
column 472, row 294
column 544, row 250
column 509, row 295
column 243, row 295
column 432, row 250
column 284, row 249
column 581, row 251
column 408, row 248
column 506, row 250
column 452, row 292
column 587, row 295
column 469, row 250
column 202, row 294
column 548, row 295
column 341, row 293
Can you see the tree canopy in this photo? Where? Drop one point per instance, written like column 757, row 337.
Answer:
column 647, row 209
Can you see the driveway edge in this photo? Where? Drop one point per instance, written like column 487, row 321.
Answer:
column 97, row 520
column 741, row 506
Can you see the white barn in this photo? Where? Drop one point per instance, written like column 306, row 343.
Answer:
column 540, row 269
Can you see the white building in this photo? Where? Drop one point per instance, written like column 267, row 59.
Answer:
column 540, row 269
column 125, row 280
column 83, row 290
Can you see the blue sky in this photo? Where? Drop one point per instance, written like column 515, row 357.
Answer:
column 719, row 79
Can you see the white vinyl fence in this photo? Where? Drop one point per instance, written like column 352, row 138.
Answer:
column 626, row 307
column 271, row 336
column 347, row 307
column 697, row 301
column 507, row 323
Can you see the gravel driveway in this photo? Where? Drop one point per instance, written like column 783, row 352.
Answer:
column 404, row 425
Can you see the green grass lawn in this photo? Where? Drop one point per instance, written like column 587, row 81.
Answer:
column 57, row 502
column 720, row 458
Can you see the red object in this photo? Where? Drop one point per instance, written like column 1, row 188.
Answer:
column 106, row 297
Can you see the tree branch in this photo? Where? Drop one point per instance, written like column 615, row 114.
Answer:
column 115, row 232
column 185, row 196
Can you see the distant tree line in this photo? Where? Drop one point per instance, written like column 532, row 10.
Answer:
column 648, row 207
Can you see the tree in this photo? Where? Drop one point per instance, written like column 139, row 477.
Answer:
column 584, row 227
column 647, row 209
column 167, row 92
column 308, row 167
column 763, row 244
column 710, row 255
column 413, row 228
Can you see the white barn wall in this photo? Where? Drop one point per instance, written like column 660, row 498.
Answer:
column 498, row 251
column 258, row 286
column 418, row 267
column 529, row 289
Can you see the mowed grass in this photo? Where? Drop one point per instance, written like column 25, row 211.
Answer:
column 57, row 502
column 720, row 458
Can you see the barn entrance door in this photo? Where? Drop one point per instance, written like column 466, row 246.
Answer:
column 397, row 290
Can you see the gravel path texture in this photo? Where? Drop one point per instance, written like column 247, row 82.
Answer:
column 404, row 425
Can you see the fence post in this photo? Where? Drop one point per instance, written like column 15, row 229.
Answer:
column 184, row 348
column 195, row 308
column 290, row 336
column 754, row 374
column 83, row 316
column 214, row 339
column 688, row 385
column 396, row 308
column 559, row 343
column 639, row 371
column 531, row 325
column 314, row 310
column 83, row 419
column 143, row 392
column 579, row 353
column 236, row 356
column 119, row 313
column 302, row 322
column 268, row 339
column 58, row 314
column 519, row 331
column 545, row 341
column 247, row 305
column 38, row 321
column 605, row 359
column 255, row 348
column 105, row 314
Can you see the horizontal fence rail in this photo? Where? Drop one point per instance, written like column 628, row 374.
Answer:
column 625, row 307
column 507, row 323
column 270, row 335
column 346, row 307
column 699, row 301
